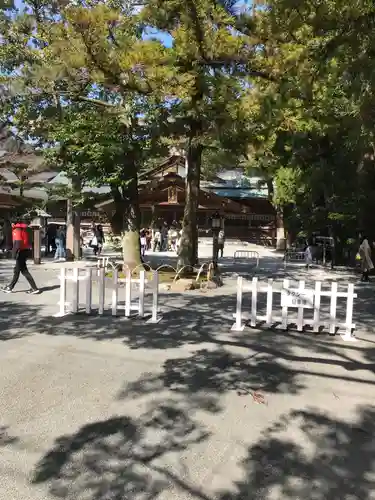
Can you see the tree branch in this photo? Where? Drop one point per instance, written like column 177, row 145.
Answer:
column 113, row 78
column 97, row 102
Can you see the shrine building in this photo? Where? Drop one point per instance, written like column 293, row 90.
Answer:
column 247, row 212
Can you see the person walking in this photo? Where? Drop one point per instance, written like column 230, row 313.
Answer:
column 99, row 239
column 51, row 239
column 60, row 241
column 20, row 252
column 164, row 238
column 366, row 261
column 143, row 241
column 157, row 240
column 308, row 255
column 221, row 242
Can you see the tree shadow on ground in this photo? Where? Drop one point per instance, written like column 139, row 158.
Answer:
column 333, row 460
column 216, row 373
column 190, row 320
column 121, row 458
column 6, row 438
column 304, row 454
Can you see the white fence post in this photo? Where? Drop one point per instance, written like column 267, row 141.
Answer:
column 254, row 296
column 88, row 290
column 333, row 307
column 101, row 290
column 62, row 302
column 155, row 299
column 347, row 336
column 269, row 303
column 317, row 294
column 75, row 299
column 246, row 254
column 128, row 292
column 284, row 309
column 238, row 326
column 300, row 324
column 100, row 280
column 141, row 307
column 115, row 292
column 298, row 299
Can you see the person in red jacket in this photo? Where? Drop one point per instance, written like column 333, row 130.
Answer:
column 21, row 251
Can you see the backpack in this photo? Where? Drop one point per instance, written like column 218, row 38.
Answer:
column 21, row 233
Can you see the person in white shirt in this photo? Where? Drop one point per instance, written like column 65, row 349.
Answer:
column 143, row 242
column 157, row 240
column 221, row 242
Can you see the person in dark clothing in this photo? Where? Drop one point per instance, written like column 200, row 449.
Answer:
column 51, row 235
column 20, row 252
column 100, row 239
column 97, row 240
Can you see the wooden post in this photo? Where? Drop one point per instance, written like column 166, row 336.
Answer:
column 101, row 284
column 317, row 294
column 75, row 301
column 128, row 292
column 142, row 281
column 37, row 245
column 349, row 315
column 62, row 295
column 269, row 302
column 333, row 307
column 254, row 297
column 284, row 309
column 238, row 326
column 88, row 290
column 115, row 292
column 155, row 318
column 300, row 310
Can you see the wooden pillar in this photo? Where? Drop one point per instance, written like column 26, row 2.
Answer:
column 37, row 247
column 8, row 233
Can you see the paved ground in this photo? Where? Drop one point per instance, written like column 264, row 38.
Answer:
column 103, row 408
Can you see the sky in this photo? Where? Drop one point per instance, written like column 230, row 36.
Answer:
column 165, row 38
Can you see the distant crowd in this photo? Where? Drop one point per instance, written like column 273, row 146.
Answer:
column 55, row 240
column 161, row 239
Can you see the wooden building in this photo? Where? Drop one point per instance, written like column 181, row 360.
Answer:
column 162, row 199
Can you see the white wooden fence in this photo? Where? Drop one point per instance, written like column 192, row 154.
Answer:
column 76, row 276
column 246, row 254
column 294, row 256
column 106, row 262
column 299, row 299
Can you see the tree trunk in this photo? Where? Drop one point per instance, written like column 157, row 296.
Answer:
column 73, row 226
column 126, row 222
column 188, row 251
column 280, row 230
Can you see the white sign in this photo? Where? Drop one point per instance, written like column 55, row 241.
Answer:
column 292, row 297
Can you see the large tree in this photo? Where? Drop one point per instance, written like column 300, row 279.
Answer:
column 313, row 125
column 62, row 55
column 111, row 155
column 212, row 65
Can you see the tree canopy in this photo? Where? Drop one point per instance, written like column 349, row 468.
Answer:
column 283, row 88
